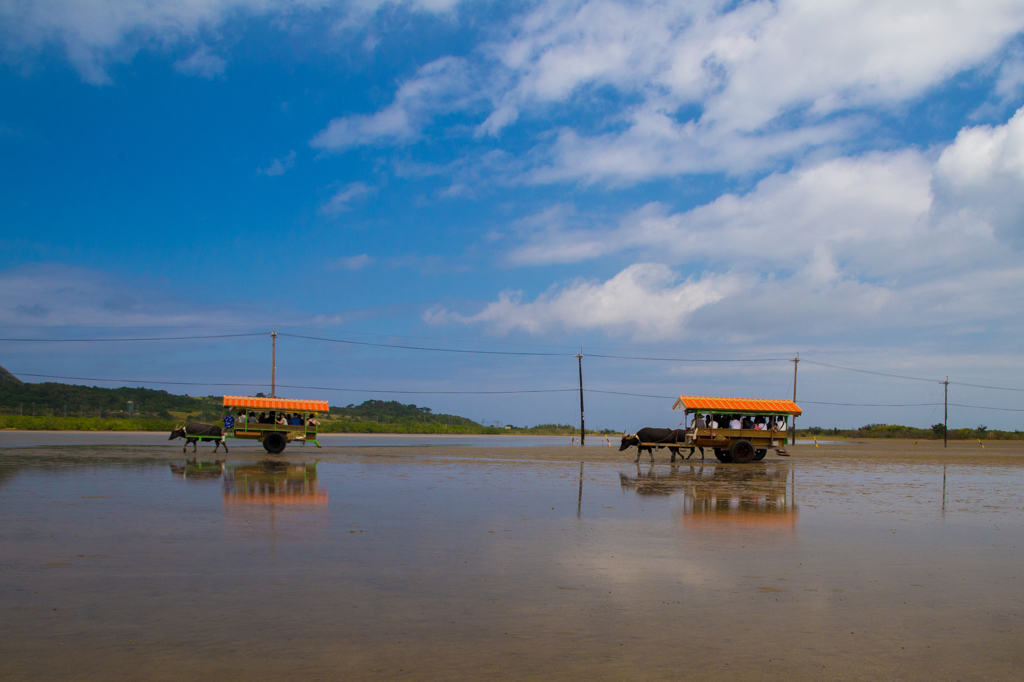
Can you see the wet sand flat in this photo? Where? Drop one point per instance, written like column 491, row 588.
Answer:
column 854, row 560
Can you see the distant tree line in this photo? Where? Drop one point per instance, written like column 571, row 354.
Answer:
column 56, row 400
column 980, row 432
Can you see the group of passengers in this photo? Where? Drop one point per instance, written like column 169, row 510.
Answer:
column 282, row 418
column 738, row 421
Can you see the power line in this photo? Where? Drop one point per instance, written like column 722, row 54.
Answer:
column 979, row 407
column 812, row 402
column 638, row 395
column 425, row 348
column 866, row 371
column 365, row 390
column 135, row 381
column 152, row 338
column 631, row 357
column 994, row 388
column 533, row 353
column 308, row 388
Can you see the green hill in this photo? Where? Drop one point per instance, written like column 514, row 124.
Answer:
column 54, row 399
column 8, row 378
column 52, row 405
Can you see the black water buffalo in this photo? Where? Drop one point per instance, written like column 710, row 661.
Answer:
column 651, row 438
column 192, row 431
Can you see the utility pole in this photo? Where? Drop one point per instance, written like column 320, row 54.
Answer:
column 795, row 361
column 945, row 420
column 583, row 432
column 273, row 363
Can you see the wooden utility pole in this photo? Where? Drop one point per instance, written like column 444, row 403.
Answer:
column 583, row 432
column 945, row 422
column 273, row 364
column 795, row 361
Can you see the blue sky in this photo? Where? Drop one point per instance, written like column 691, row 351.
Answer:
column 719, row 180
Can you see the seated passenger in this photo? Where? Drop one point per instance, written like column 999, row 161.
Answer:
column 312, row 421
column 252, row 418
column 264, row 419
column 747, row 422
column 713, row 421
column 735, row 422
column 294, row 420
column 759, row 424
column 698, row 422
column 281, row 420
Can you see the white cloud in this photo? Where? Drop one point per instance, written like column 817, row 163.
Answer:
column 58, row 295
column 96, row 33
column 355, row 262
column 642, row 301
column 440, row 86
column 979, row 179
column 844, row 204
column 201, row 63
column 700, row 88
column 346, row 196
column 879, row 241
column 279, row 166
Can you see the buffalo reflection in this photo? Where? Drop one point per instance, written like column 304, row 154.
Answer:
column 195, row 470
column 719, row 496
column 273, row 482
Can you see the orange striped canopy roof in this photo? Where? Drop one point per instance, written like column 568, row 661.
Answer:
column 693, row 403
column 276, row 403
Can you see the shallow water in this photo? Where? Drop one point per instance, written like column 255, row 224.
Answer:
column 21, row 439
column 121, row 563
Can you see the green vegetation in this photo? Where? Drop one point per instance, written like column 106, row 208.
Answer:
column 51, row 399
column 59, row 407
column 980, row 432
column 50, row 423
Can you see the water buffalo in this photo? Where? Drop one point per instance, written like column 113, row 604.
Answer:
column 652, row 438
column 192, row 431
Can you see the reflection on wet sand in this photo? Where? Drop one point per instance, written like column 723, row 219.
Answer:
column 717, row 496
column 435, row 564
column 273, row 482
column 196, row 470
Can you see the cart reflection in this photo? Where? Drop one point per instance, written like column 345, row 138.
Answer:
column 197, row 470
column 722, row 496
column 273, row 482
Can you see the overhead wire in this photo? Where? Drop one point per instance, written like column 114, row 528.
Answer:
column 638, row 395
column 150, row 338
column 867, row 371
column 365, row 390
column 138, row 381
column 633, row 357
column 493, row 352
column 813, row 402
column 980, row 407
column 309, row 388
column 994, row 388
column 423, row 348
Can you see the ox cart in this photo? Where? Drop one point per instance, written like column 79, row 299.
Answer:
column 763, row 425
column 272, row 435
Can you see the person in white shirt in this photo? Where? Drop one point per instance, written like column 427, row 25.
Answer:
column 735, row 422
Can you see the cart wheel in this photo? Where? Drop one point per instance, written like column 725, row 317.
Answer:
column 759, row 455
column 274, row 443
column 742, row 451
column 722, row 455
